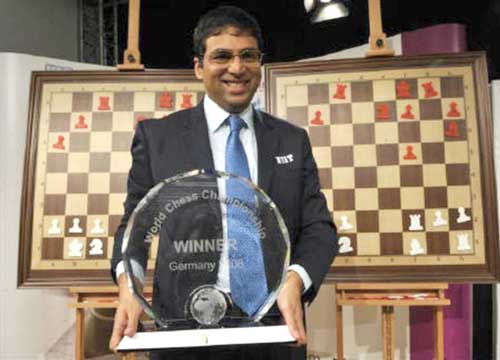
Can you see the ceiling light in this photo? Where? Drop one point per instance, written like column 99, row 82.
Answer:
column 323, row 10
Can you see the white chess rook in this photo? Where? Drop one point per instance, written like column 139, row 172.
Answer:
column 415, row 222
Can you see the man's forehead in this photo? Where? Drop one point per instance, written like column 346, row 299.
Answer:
column 233, row 31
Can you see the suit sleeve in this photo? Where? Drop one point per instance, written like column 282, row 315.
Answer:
column 316, row 245
column 140, row 180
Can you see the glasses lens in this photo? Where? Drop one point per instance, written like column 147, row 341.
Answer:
column 251, row 56
column 221, row 57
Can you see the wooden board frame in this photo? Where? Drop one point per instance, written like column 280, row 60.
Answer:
column 279, row 76
column 151, row 80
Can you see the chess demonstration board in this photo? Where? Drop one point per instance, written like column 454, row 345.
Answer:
column 77, row 160
column 404, row 151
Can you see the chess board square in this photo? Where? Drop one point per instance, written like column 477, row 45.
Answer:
column 59, row 122
column 317, row 93
column 123, row 101
column 118, row 182
column 408, row 110
column 165, row 100
column 82, row 102
column 459, row 196
column 411, row 175
column 341, row 135
column 57, row 163
column 343, row 178
column 367, row 221
column 297, row 95
column 102, row 121
column 96, row 248
column 323, row 156
column 363, row 134
column 114, row 222
column 120, row 162
column 343, row 200
column 388, row 176
column 454, row 215
column 455, row 244
column 412, row 198
column 78, row 162
column 457, row 174
column 453, row 108
column 438, row 243
column 391, row 111
column 328, row 194
column 52, row 248
column 413, row 148
column 434, row 175
column 144, row 100
column 96, row 223
column 410, row 85
column 430, row 109
column 362, row 91
column 347, row 245
column 407, row 216
column 59, row 143
column 98, row 204
column 461, row 130
column 368, row 244
column 79, row 142
column 99, row 183
column 325, row 179
column 456, row 152
column 121, row 140
column 102, row 101
column 436, row 197
column 342, row 156
column 435, row 85
column 452, row 87
column 75, row 226
column 76, row 204
column 319, row 135
column 100, row 162
column 341, row 217
column 431, row 131
column 430, row 217
column 362, row 112
column 366, row 199
column 54, row 204
column 61, row 102
column 409, row 246
column 390, row 221
column 340, row 114
column 386, row 133
column 318, row 115
column 116, row 203
column 297, row 115
column 391, row 244
column 53, row 226
column 384, row 90
column 433, row 153
column 409, row 132
column 365, row 155
column 74, row 248
column 77, row 183
column 365, row 177
column 389, row 198
column 123, row 121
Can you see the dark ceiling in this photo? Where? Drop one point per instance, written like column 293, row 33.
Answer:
column 166, row 27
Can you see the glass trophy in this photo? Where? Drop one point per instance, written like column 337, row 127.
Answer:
column 221, row 252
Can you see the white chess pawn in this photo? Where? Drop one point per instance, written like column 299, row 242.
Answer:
column 97, row 229
column 415, row 222
column 96, row 247
column 416, row 248
column 76, row 229
column 75, row 248
column 345, row 223
column 439, row 221
column 54, row 227
column 463, row 242
column 462, row 216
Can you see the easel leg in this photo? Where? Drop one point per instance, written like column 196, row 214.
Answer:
column 388, row 332
column 80, row 334
column 340, row 334
column 439, row 332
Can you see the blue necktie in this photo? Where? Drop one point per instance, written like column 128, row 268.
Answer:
column 247, row 275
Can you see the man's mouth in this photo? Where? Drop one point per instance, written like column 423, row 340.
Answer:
column 236, row 85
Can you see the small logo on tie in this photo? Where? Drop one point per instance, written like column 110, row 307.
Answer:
column 284, row 159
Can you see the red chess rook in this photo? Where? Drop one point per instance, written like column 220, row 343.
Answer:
column 340, row 92
column 186, row 101
column 104, row 103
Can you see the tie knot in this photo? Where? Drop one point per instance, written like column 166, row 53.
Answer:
column 236, row 123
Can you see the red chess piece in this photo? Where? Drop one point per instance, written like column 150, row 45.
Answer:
column 81, row 123
column 166, row 100
column 60, row 143
column 429, row 90
column 452, row 129
column 408, row 114
column 403, row 89
column 317, row 119
column 453, row 110
column 103, row 103
column 383, row 112
column 409, row 153
column 186, row 101
column 340, row 92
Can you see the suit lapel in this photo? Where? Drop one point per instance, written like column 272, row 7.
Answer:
column 268, row 144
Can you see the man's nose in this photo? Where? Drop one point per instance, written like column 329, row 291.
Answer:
column 236, row 65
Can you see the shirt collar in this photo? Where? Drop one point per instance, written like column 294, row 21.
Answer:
column 216, row 115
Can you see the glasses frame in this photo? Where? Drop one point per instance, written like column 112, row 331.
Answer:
column 233, row 55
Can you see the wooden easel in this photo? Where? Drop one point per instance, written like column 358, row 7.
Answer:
column 96, row 297
column 132, row 55
column 377, row 40
column 389, row 295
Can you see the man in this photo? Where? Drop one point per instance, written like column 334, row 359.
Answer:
column 227, row 43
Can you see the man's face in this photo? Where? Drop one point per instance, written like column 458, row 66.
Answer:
column 230, row 85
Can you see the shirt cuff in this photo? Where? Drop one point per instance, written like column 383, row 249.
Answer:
column 306, row 279
column 136, row 268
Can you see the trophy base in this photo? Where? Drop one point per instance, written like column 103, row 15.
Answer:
column 145, row 341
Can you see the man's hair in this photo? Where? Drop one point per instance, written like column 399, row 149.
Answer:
column 216, row 20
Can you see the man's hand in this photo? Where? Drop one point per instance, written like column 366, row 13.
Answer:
column 290, row 305
column 127, row 314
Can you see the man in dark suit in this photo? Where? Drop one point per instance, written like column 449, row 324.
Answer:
column 227, row 43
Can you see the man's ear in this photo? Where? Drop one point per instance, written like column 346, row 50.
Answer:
column 198, row 68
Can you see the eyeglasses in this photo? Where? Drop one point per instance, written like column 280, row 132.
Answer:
column 225, row 57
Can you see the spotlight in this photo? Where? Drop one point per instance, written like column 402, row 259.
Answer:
column 323, row 10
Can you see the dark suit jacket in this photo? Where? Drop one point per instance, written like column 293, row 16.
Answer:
column 180, row 142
